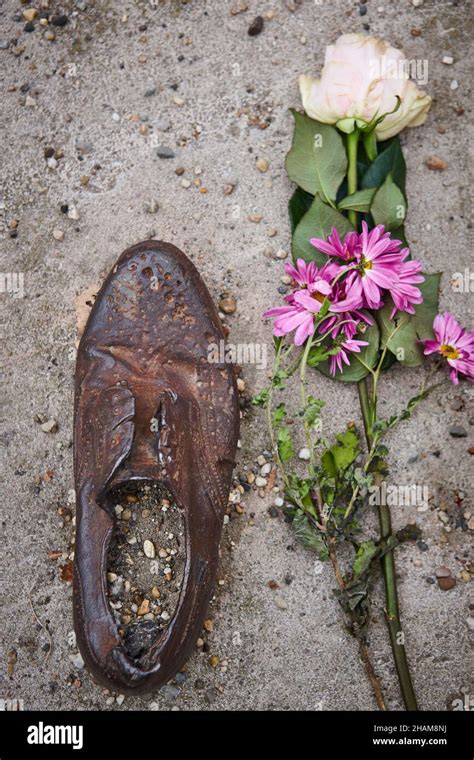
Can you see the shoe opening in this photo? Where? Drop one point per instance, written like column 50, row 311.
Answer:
column 145, row 563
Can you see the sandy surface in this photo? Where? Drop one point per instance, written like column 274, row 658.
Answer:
column 214, row 87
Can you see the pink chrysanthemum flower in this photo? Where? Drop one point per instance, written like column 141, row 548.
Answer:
column 453, row 343
column 305, row 303
column 347, row 346
column 375, row 264
column 304, row 274
column 334, row 246
column 403, row 291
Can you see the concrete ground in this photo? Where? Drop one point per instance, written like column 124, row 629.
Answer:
column 118, row 82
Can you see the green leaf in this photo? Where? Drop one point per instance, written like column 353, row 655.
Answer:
column 318, row 222
column 312, row 413
column 390, row 159
column 401, row 334
column 365, row 554
column 317, row 160
column 389, row 206
column 338, row 458
column 285, row 445
column 368, row 355
column 309, row 535
column 359, row 201
column 279, row 414
column 261, row 398
column 298, row 205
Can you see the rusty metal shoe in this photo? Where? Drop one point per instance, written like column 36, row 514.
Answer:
column 149, row 405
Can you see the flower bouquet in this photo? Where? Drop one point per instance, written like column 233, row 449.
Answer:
column 358, row 304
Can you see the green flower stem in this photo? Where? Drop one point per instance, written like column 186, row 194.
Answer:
column 352, row 144
column 392, row 610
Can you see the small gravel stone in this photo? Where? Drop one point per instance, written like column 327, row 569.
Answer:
column 304, row 454
column 4, row 44
column 58, row 235
column 280, row 603
column 261, row 460
column 73, row 213
column 260, row 482
column 30, row 14
column 149, row 549
column 228, row 304
column 470, row 623
column 279, row 502
column 443, row 572
column 436, row 164
column 77, row 661
column 256, row 26
column 281, row 254
column 266, row 469
column 170, row 692
column 448, row 60
column 457, row 431
column 446, row 584
column 50, row 426
column 120, row 699
column 262, row 165
column 59, row 20
column 163, row 151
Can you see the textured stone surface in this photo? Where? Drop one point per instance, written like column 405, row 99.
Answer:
column 213, row 93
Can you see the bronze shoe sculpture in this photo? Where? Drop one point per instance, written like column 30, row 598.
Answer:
column 143, row 357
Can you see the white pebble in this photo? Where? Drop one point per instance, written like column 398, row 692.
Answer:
column 281, row 253
column 115, row 116
column 120, row 699
column 149, row 549
column 261, row 460
column 448, row 60
column 278, row 502
column 304, row 454
column 454, row 85
column 260, row 482
column 266, row 469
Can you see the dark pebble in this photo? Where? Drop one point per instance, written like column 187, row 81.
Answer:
column 181, row 677
column 457, row 431
column 430, row 580
column 164, row 152
column 48, row 152
column 436, row 454
column 24, row 88
column 283, row 290
column 422, row 546
column 362, row 10
column 199, row 684
column 29, row 27
column 60, row 20
column 64, row 208
column 256, row 26
column 366, row 27
column 149, row 93
column 273, row 511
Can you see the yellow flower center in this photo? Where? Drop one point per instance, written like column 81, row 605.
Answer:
column 364, row 265
column 448, row 351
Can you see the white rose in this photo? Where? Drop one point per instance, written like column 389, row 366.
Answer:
column 361, row 78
